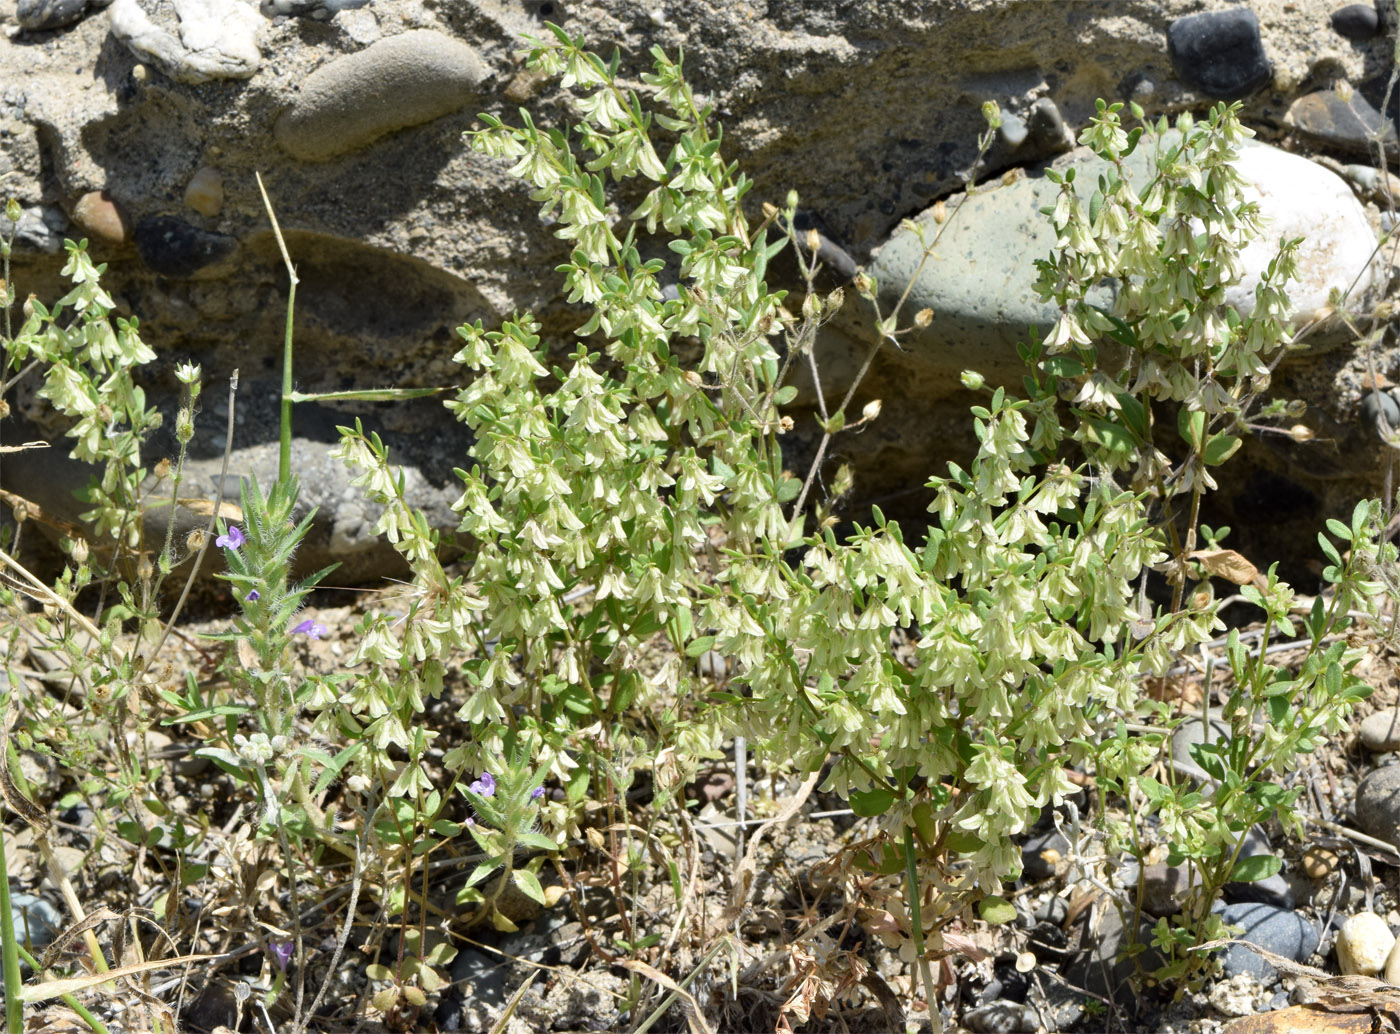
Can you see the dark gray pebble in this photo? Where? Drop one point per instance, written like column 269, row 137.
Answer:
column 1219, row 53
column 1002, row 1018
column 39, row 15
column 1378, row 403
column 1279, row 930
column 1275, row 890
column 1356, row 21
column 36, row 921
column 1346, row 125
column 1035, row 865
column 172, row 247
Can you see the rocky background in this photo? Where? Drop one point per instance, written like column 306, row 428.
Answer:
column 139, row 124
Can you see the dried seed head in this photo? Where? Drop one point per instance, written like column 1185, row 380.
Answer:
column 194, row 541
column 770, row 210
column 785, row 425
column 80, row 552
column 693, row 379
column 1301, row 433
column 940, row 213
column 162, row 468
column 814, row 241
column 835, row 300
column 923, row 318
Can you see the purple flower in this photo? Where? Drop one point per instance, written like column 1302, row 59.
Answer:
column 253, row 594
column 281, row 954
column 231, row 539
column 537, row 793
column 485, row 786
column 312, row 628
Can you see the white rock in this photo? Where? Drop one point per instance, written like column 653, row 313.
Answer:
column 218, row 38
column 1364, row 945
column 1392, row 965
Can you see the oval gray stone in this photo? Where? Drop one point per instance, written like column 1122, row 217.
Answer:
column 401, row 81
column 1378, row 804
column 1380, row 732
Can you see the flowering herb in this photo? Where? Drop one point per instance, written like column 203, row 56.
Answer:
column 231, row 539
column 485, row 786
column 253, row 594
column 537, row 793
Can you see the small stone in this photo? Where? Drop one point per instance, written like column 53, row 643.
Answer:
column 40, row 15
column 205, row 192
column 1378, row 804
column 1047, row 127
column 1380, row 732
column 401, row 81
column 1272, row 890
column 1356, row 21
column 712, row 664
column 1319, row 862
column 101, row 217
column 36, row 921
column 1164, row 889
column 1364, row 944
column 1219, row 53
column 1042, row 853
column 172, row 247
column 1279, row 930
column 1374, row 405
column 1002, row 1017
column 1337, row 121
column 1055, row 910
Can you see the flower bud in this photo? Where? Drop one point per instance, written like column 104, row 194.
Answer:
column 80, row 552
column 814, row 241
column 12, row 210
column 871, row 410
column 791, row 200
column 863, row 285
column 991, row 111
column 835, row 300
column 770, row 210
column 1301, row 433
column 693, row 379
column 973, row 381
column 811, row 307
column 940, row 213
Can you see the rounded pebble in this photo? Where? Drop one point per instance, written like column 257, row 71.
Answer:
column 1356, row 21
column 1013, row 131
column 1374, row 405
column 205, row 192
column 1279, row 930
column 1342, row 121
column 1001, row 1017
column 1380, row 732
column 401, row 81
column 1364, row 943
column 101, row 217
column 1378, row 804
column 1319, row 862
column 36, row 921
column 1392, row 965
column 38, row 15
column 1219, row 53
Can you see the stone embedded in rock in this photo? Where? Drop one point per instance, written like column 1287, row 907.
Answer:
column 401, row 81
column 102, row 217
column 318, row 10
column 1356, row 21
column 172, row 247
column 1219, row 53
column 217, row 38
column 979, row 280
column 39, row 15
column 205, row 192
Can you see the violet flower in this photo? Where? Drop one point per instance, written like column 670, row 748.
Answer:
column 281, row 953
column 312, row 628
column 485, row 786
column 231, row 539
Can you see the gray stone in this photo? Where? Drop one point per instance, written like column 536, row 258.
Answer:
column 1040, row 853
column 1378, row 804
column 38, row 15
column 1219, row 53
column 217, row 38
column 1164, row 889
column 36, row 921
column 1342, row 123
column 1279, row 930
column 1375, row 405
column 317, row 10
column 1190, row 734
column 1273, row 890
column 1002, row 1017
column 1100, row 969
column 1380, row 732
column 1356, row 21
column 400, row 81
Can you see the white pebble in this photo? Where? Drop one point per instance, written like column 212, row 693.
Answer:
column 1364, row 945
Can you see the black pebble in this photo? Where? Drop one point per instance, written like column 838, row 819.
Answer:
column 1219, row 53
column 172, row 247
column 39, row 15
column 1356, row 21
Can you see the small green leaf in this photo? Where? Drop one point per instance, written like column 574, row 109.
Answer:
column 701, row 645
column 869, row 803
column 1220, row 448
column 785, row 394
column 996, row 910
column 529, row 884
column 1191, row 424
column 1255, row 867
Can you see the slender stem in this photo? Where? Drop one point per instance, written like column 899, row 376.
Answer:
column 284, row 456
column 14, row 1008
column 916, row 923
